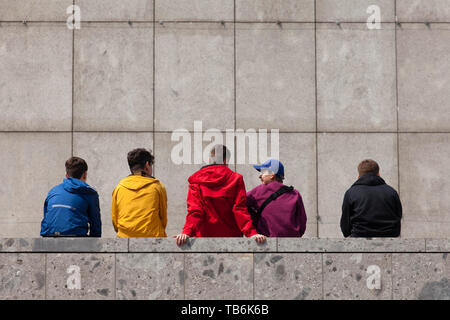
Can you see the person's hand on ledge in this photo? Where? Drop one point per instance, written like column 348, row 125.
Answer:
column 259, row 238
column 181, row 239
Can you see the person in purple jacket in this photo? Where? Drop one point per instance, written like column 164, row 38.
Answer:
column 277, row 210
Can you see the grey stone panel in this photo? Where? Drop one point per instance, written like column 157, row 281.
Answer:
column 416, row 227
column 421, row 276
column 22, row 276
column 329, row 230
column 149, row 276
column 27, row 229
column 194, row 76
column 354, row 10
column 116, row 10
column 357, row 276
column 219, row 276
column 39, row 160
column 275, row 82
column 194, row 10
column 423, row 10
column 423, row 69
column 423, row 186
column 288, row 276
column 356, row 78
column 275, row 10
column 36, row 77
column 113, row 77
column 34, row 10
column 80, row 276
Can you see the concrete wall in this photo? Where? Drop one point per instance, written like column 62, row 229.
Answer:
column 232, row 268
column 137, row 70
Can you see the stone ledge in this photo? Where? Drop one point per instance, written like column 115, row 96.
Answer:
column 202, row 245
column 438, row 245
column 351, row 245
column 63, row 245
column 306, row 245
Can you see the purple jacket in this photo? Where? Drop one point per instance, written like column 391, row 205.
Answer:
column 283, row 217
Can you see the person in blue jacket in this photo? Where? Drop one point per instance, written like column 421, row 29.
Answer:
column 72, row 208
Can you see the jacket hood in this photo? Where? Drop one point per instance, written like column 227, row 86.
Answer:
column 73, row 185
column 137, row 182
column 369, row 180
column 212, row 175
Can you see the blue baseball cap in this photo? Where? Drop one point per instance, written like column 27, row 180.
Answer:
column 273, row 165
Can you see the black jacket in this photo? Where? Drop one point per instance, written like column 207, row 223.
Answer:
column 371, row 208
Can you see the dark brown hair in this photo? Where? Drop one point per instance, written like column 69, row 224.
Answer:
column 76, row 167
column 137, row 159
column 223, row 156
column 368, row 166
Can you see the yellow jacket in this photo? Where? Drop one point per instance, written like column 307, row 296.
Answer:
column 139, row 207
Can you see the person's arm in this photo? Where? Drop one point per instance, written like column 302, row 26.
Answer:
column 398, row 204
column 240, row 211
column 95, row 221
column 196, row 212
column 115, row 210
column 301, row 215
column 345, row 218
column 163, row 206
column 252, row 207
column 44, row 226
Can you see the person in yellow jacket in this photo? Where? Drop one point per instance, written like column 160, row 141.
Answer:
column 139, row 201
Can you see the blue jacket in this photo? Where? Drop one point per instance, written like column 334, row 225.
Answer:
column 72, row 208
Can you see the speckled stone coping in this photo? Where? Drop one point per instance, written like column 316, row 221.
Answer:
column 224, row 268
column 312, row 245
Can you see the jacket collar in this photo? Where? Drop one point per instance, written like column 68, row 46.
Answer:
column 370, row 179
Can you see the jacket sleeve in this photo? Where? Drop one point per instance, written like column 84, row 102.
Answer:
column 44, row 226
column 163, row 206
column 114, row 210
column 398, row 205
column 301, row 215
column 345, row 218
column 240, row 211
column 95, row 221
column 195, row 210
column 252, row 207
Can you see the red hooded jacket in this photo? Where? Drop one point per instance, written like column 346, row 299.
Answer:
column 216, row 204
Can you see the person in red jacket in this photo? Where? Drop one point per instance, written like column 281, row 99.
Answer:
column 216, row 202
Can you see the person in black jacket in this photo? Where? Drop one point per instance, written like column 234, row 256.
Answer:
column 371, row 208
